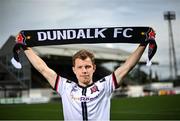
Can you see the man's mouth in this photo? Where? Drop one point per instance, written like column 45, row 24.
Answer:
column 84, row 76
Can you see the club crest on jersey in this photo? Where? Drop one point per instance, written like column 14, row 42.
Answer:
column 94, row 89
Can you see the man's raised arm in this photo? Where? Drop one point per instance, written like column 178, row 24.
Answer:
column 41, row 66
column 131, row 61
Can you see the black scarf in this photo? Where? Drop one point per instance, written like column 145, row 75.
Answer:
column 31, row 38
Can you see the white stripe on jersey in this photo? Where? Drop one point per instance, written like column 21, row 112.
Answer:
column 86, row 103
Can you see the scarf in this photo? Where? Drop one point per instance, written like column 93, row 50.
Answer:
column 134, row 35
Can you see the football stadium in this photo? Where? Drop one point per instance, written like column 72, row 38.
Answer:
column 26, row 95
column 89, row 60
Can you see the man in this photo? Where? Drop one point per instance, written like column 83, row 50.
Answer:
column 85, row 100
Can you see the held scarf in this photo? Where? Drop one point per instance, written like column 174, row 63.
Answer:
column 31, row 38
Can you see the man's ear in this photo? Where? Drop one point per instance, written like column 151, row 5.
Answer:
column 94, row 67
column 73, row 70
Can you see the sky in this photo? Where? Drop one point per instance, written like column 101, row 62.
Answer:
column 16, row 15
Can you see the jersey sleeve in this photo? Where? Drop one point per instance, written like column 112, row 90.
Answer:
column 60, row 84
column 111, row 83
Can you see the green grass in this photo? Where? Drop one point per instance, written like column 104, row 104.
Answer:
column 31, row 111
column 148, row 108
column 144, row 108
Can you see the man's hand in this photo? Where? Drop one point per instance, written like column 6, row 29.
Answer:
column 20, row 45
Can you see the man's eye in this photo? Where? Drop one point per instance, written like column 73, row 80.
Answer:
column 87, row 67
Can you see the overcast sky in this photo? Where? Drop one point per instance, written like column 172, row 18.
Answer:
column 16, row 15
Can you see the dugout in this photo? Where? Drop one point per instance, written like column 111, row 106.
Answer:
column 14, row 82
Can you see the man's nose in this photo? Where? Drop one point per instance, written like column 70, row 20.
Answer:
column 84, row 70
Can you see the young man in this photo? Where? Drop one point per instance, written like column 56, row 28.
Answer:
column 85, row 100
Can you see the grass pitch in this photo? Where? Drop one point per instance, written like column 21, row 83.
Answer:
column 143, row 108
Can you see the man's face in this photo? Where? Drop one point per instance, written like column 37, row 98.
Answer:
column 84, row 70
